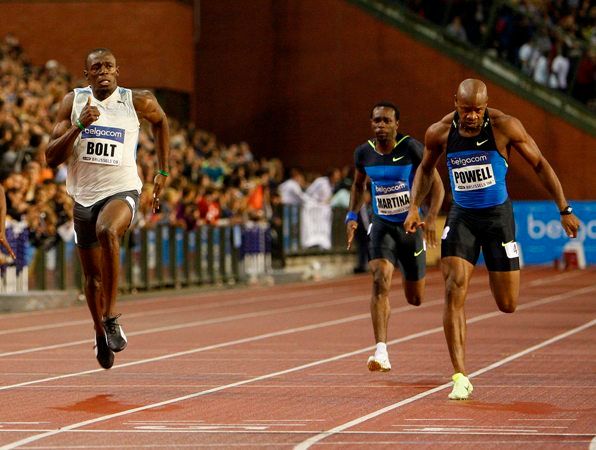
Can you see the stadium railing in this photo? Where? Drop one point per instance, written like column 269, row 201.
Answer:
column 165, row 256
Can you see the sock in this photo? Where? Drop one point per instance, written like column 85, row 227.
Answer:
column 381, row 349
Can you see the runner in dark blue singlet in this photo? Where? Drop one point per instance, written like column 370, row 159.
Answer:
column 389, row 161
column 477, row 141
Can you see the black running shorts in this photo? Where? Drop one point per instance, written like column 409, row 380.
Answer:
column 492, row 229
column 388, row 240
column 85, row 217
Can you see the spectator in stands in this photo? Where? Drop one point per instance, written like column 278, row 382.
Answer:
column 528, row 55
column 100, row 150
column 559, row 70
column 322, row 188
column 291, row 190
column 456, row 30
column 585, row 82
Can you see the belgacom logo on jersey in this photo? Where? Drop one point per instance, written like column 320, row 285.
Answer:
column 478, row 158
column 97, row 131
column 388, row 189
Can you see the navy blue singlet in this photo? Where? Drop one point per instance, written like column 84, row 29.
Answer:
column 391, row 175
column 477, row 170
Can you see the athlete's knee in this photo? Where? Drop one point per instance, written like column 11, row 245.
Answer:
column 455, row 281
column 93, row 281
column 381, row 283
column 507, row 304
column 107, row 233
column 414, row 299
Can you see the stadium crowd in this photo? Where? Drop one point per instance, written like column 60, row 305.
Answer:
column 552, row 42
column 209, row 183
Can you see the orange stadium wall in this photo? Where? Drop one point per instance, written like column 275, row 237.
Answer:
column 297, row 78
column 152, row 40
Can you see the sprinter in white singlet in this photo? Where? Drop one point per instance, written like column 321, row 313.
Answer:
column 96, row 134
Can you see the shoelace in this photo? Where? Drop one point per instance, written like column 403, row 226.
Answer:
column 111, row 324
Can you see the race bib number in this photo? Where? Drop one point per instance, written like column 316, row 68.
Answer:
column 511, row 250
column 471, row 178
column 102, row 145
column 392, row 200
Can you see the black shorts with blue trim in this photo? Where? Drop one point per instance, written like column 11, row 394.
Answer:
column 85, row 217
column 492, row 229
column 388, row 240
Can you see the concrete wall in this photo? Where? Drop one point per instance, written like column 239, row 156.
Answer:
column 297, row 78
column 152, row 40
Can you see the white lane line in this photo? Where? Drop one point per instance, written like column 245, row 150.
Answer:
column 554, row 420
column 314, row 364
column 340, row 428
column 224, row 344
column 191, row 308
column 196, row 323
column 538, row 281
column 189, row 430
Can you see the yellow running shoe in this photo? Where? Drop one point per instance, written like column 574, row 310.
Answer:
column 462, row 388
column 378, row 364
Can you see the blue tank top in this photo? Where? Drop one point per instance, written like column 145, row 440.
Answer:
column 477, row 170
column 391, row 175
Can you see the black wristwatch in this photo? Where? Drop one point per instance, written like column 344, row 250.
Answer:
column 566, row 211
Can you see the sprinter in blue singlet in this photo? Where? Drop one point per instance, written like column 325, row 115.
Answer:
column 477, row 141
column 389, row 161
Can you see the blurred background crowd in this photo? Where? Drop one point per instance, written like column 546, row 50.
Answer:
column 552, row 41
column 209, row 182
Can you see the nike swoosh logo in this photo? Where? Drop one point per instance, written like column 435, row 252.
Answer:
column 505, row 243
column 397, row 159
column 418, row 252
column 478, row 144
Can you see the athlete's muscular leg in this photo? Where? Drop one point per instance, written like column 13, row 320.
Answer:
column 414, row 291
column 457, row 273
column 380, row 310
column 91, row 263
column 112, row 223
column 505, row 289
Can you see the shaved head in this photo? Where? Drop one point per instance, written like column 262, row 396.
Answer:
column 97, row 51
column 472, row 91
column 471, row 102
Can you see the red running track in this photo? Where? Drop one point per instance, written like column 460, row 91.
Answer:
column 285, row 367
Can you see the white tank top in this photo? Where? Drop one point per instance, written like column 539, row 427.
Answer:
column 103, row 161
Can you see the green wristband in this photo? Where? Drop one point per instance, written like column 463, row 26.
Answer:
column 163, row 172
column 80, row 124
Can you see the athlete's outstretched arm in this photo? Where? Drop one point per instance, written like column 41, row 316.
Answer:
column 149, row 109
column 356, row 200
column 434, row 141
column 437, row 193
column 521, row 141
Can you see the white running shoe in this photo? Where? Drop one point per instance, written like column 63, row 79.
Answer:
column 462, row 388
column 379, row 364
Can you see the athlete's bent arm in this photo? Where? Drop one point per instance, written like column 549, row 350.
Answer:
column 63, row 135
column 149, row 109
column 521, row 141
column 423, row 180
column 356, row 200
column 3, row 241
